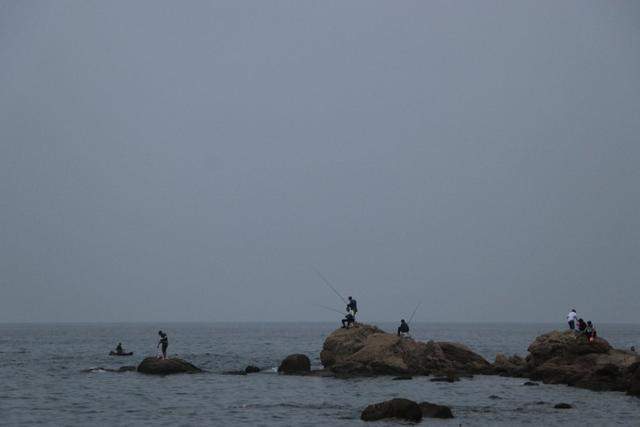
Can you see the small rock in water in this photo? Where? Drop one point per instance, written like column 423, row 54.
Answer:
column 295, row 364
column 563, row 406
column 431, row 410
column 404, row 409
column 493, row 396
column 403, row 377
column 530, row 383
column 450, row 378
column 251, row 369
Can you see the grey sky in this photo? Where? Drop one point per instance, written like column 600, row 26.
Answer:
column 195, row 160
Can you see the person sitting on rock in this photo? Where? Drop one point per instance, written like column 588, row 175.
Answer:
column 164, row 342
column 582, row 325
column 571, row 319
column 348, row 320
column 403, row 329
column 590, row 331
column 119, row 349
column 352, row 306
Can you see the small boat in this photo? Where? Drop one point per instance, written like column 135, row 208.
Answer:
column 113, row 353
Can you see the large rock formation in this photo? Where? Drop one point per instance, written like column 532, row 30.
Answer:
column 295, row 364
column 156, row 366
column 567, row 358
column 367, row 350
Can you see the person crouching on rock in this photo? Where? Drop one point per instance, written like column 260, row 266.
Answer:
column 348, row 320
column 581, row 325
column 353, row 307
column 164, row 341
column 119, row 349
column 403, row 329
column 590, row 331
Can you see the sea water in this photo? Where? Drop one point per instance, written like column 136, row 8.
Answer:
column 50, row 375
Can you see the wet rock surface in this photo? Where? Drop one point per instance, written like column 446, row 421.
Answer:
column 562, row 406
column 156, row 366
column 367, row 350
column 432, row 410
column 403, row 409
column 295, row 364
column 567, row 358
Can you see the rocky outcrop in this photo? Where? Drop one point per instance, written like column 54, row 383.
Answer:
column 633, row 379
column 367, row 350
column 156, row 366
column 514, row 366
column 432, row 410
column 403, row 409
column 567, row 358
column 295, row 364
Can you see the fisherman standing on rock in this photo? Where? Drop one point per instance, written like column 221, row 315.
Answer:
column 164, row 342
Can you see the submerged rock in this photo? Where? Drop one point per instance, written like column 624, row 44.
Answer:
column 120, row 369
column 431, row 410
column 156, row 366
column 295, row 364
column 367, row 350
column 234, row 373
column 450, row 377
column 530, row 383
column 403, row 409
column 403, row 377
column 562, row 406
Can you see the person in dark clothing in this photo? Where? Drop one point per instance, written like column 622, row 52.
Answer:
column 353, row 306
column 403, row 328
column 581, row 325
column 119, row 349
column 348, row 320
column 164, row 342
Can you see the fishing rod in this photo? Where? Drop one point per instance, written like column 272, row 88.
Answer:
column 329, row 308
column 324, row 279
column 414, row 312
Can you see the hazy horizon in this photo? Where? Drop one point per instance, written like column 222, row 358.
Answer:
column 196, row 161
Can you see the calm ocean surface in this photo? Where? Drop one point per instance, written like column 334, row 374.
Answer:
column 41, row 371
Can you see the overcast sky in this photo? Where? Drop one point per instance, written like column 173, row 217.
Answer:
column 197, row 160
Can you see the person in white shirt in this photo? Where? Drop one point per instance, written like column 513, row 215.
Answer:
column 571, row 319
